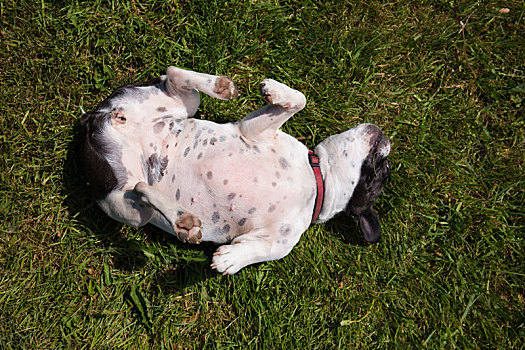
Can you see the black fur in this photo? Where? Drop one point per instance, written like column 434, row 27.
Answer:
column 97, row 151
column 374, row 173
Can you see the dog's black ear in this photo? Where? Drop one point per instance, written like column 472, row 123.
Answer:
column 370, row 226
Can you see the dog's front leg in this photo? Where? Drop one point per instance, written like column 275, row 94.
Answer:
column 181, row 81
column 283, row 102
column 186, row 226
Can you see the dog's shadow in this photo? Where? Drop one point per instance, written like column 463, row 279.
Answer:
column 189, row 264
column 345, row 228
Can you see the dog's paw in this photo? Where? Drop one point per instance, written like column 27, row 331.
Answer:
column 225, row 88
column 279, row 94
column 224, row 260
column 188, row 228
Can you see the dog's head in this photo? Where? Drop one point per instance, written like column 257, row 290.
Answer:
column 127, row 129
column 355, row 167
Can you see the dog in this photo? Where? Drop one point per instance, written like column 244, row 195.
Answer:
column 246, row 185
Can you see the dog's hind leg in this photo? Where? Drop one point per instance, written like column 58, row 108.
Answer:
column 180, row 81
column 186, row 226
column 283, row 102
column 255, row 246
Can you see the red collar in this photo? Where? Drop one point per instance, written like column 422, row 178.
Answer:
column 316, row 167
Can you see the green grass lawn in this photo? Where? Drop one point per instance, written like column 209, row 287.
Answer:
column 445, row 80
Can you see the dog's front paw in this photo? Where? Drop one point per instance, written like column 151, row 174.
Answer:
column 225, row 88
column 224, row 260
column 279, row 94
column 188, row 228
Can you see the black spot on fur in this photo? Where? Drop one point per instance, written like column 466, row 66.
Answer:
column 252, row 210
column 199, row 156
column 225, row 182
column 231, row 196
column 186, row 151
column 158, row 127
column 155, row 168
column 242, row 222
column 209, row 175
column 215, row 217
column 213, row 140
column 245, row 143
column 161, row 109
column 277, row 174
column 177, row 194
column 222, row 138
column 285, row 230
column 226, row 228
column 271, row 208
column 284, row 163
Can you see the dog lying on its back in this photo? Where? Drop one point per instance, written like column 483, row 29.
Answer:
column 245, row 183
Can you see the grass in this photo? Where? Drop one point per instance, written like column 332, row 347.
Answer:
column 443, row 79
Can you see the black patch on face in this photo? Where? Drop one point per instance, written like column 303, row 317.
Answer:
column 374, row 173
column 96, row 151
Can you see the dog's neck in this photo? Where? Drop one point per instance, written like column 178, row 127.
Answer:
column 339, row 184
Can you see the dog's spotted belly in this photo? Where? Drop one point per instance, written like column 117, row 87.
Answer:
column 233, row 185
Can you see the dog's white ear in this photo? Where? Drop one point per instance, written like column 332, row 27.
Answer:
column 370, row 226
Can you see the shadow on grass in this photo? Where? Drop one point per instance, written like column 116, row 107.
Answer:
column 344, row 227
column 188, row 267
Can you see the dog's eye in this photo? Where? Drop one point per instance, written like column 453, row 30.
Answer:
column 119, row 118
